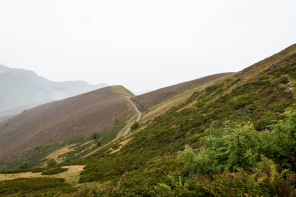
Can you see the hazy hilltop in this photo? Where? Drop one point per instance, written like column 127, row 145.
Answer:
column 23, row 89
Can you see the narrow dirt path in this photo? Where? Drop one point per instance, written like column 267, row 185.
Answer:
column 138, row 118
column 120, row 133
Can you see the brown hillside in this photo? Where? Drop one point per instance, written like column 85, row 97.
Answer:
column 60, row 120
column 153, row 98
column 269, row 63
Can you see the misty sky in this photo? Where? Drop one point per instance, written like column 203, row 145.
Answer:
column 141, row 44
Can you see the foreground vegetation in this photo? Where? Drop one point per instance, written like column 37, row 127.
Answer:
column 232, row 125
column 238, row 160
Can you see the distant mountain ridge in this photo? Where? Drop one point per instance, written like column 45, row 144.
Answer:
column 23, row 89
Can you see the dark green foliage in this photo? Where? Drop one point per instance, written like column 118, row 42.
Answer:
column 135, row 126
column 24, row 166
column 95, row 134
column 281, row 144
column 35, row 170
column 266, row 180
column 30, row 185
column 55, row 170
column 99, row 143
column 229, row 147
column 14, row 171
column 67, row 160
column 232, row 162
column 233, row 146
column 22, row 170
column 51, row 163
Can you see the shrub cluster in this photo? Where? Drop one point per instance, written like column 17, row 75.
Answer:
column 233, row 162
column 135, row 126
column 55, row 170
column 30, row 185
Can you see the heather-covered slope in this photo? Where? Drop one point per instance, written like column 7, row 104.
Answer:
column 153, row 98
column 61, row 120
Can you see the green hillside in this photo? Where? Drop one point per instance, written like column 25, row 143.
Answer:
column 236, row 137
column 240, row 130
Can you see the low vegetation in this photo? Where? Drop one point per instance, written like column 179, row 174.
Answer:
column 51, row 163
column 135, row 126
column 55, row 170
column 234, row 156
column 24, row 166
column 234, row 127
column 78, row 147
column 34, row 170
column 33, row 185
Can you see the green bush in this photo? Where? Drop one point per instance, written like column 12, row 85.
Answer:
column 231, row 162
column 135, row 126
column 228, row 147
column 99, row 143
column 234, row 146
column 24, row 166
column 55, row 170
column 281, row 143
column 51, row 163
column 35, row 170
column 266, row 180
column 95, row 134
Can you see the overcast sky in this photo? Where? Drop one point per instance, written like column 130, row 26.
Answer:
column 142, row 44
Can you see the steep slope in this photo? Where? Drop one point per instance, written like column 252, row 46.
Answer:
column 153, row 98
column 60, row 120
column 166, row 98
column 254, row 101
column 23, row 89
